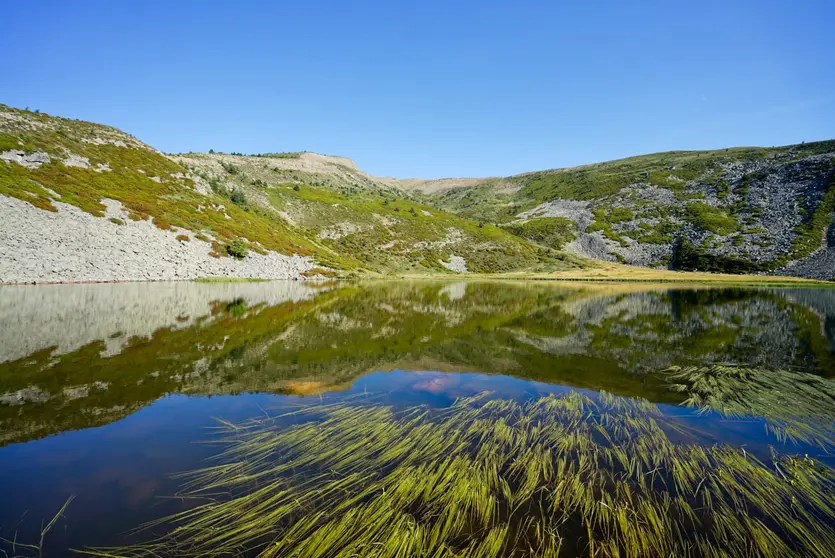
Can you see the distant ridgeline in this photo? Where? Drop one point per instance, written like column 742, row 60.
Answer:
column 82, row 201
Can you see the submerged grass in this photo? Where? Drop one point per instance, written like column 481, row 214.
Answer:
column 796, row 405
column 557, row 476
column 19, row 549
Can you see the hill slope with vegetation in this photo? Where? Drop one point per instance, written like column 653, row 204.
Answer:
column 86, row 202
column 738, row 210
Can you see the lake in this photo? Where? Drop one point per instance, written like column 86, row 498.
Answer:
column 398, row 418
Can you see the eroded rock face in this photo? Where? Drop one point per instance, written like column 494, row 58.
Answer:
column 455, row 263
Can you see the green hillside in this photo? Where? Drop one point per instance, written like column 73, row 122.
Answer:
column 342, row 217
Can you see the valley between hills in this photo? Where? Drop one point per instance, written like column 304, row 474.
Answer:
column 86, row 202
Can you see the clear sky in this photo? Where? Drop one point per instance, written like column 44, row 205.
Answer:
column 431, row 88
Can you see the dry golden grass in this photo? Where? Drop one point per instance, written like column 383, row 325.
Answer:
column 615, row 272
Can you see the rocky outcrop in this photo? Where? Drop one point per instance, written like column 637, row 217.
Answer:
column 750, row 215
column 818, row 265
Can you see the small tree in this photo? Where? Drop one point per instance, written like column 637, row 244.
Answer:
column 237, row 249
column 296, row 188
column 211, row 151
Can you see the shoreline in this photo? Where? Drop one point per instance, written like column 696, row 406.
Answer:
column 641, row 276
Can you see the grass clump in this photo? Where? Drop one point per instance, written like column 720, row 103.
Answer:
column 560, row 475
column 713, row 219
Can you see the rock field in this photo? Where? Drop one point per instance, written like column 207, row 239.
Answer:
column 74, row 246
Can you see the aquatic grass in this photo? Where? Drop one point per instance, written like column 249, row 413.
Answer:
column 557, row 475
column 17, row 547
column 796, row 406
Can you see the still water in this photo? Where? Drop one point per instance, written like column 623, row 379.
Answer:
column 416, row 419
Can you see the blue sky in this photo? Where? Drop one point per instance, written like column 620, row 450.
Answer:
column 431, row 88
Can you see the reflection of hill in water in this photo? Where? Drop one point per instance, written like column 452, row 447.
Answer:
column 71, row 316
column 77, row 356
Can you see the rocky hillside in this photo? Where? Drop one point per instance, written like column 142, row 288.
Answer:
column 87, row 202
column 754, row 210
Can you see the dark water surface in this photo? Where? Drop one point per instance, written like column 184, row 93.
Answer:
column 108, row 391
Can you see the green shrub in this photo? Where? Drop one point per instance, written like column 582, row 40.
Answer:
column 237, row 307
column 237, row 249
column 688, row 257
column 238, row 197
column 613, row 215
column 553, row 232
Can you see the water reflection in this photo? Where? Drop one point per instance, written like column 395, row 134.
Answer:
column 75, row 356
